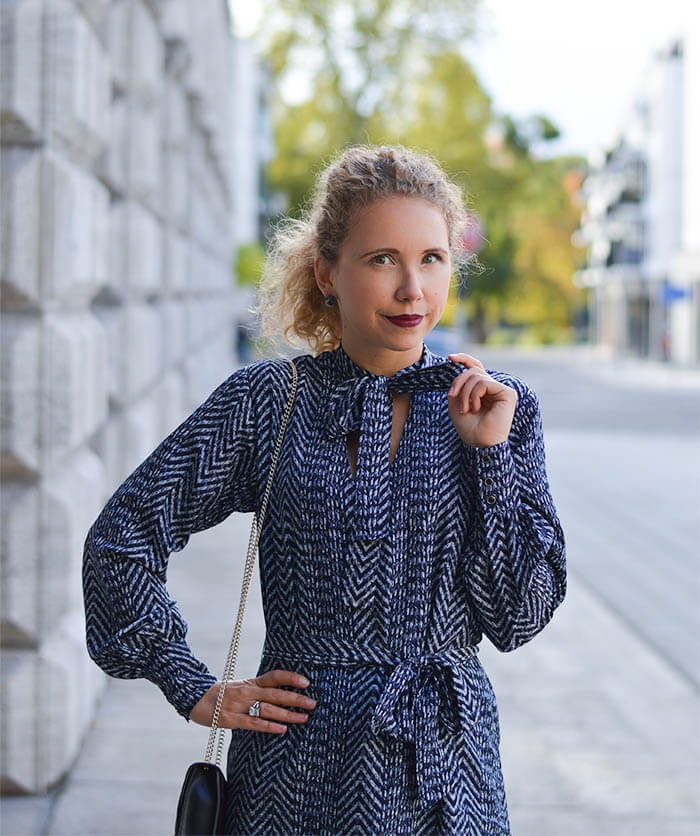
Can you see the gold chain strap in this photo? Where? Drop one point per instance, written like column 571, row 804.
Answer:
column 255, row 530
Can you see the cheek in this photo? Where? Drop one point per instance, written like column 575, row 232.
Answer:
column 439, row 292
column 363, row 297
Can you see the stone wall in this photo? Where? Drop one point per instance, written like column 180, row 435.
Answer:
column 116, row 238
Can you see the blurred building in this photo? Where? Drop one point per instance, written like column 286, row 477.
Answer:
column 119, row 220
column 684, row 318
column 641, row 223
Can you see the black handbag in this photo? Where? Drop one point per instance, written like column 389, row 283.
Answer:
column 201, row 808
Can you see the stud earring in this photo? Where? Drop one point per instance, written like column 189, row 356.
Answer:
column 330, row 301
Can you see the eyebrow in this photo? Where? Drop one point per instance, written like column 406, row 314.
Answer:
column 394, row 251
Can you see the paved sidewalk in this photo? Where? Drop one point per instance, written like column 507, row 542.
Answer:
column 599, row 733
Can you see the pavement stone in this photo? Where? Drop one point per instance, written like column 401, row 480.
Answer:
column 25, row 815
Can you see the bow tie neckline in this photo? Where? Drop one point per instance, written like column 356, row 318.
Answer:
column 362, row 399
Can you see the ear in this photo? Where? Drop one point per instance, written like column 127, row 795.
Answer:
column 322, row 272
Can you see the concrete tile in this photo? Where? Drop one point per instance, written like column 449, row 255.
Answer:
column 619, row 783
column 133, row 808
column 24, row 815
column 551, row 821
column 134, row 755
column 130, row 704
column 565, row 821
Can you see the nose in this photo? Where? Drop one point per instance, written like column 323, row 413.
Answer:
column 409, row 288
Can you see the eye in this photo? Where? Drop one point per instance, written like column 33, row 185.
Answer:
column 376, row 259
column 434, row 257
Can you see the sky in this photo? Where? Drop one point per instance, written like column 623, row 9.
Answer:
column 580, row 64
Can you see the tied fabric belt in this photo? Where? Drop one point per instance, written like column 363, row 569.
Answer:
column 422, row 693
column 365, row 402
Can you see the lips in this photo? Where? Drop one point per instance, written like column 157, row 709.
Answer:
column 406, row 321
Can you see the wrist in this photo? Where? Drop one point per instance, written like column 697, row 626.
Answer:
column 490, row 445
column 495, row 474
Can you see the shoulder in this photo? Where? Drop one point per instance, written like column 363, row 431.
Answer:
column 526, row 394
column 270, row 382
column 269, row 378
column 273, row 375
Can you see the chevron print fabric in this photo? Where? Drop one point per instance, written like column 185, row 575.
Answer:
column 377, row 586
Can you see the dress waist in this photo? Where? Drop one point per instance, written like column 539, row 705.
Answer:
column 334, row 650
column 423, row 692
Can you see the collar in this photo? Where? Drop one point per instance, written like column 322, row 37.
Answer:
column 361, row 399
column 344, row 368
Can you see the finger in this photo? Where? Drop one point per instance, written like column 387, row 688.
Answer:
column 270, row 719
column 477, row 394
column 470, row 390
column 282, row 715
column 463, row 378
column 466, row 359
column 280, row 677
column 258, row 724
column 237, row 717
column 237, row 709
column 275, row 696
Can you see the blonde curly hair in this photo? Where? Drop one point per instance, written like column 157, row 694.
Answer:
column 290, row 302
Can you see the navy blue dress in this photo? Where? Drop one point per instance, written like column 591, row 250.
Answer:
column 377, row 586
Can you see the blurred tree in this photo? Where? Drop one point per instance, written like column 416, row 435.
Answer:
column 249, row 263
column 353, row 59
column 544, row 219
column 363, row 49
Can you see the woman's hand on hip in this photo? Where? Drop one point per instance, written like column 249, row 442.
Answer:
column 480, row 407
column 241, row 694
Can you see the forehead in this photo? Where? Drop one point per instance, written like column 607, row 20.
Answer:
column 401, row 219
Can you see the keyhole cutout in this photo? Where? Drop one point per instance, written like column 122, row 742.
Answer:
column 401, row 404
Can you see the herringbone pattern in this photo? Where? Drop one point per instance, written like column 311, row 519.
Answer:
column 377, row 587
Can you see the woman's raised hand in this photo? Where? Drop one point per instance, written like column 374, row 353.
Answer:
column 240, row 695
column 480, row 407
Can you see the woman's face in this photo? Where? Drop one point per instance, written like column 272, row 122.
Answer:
column 394, row 262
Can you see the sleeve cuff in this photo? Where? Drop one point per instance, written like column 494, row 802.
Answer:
column 495, row 474
column 181, row 677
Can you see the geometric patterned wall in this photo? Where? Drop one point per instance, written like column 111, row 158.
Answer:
column 116, row 239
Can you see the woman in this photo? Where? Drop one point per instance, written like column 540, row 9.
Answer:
column 410, row 515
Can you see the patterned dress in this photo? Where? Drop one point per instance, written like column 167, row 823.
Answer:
column 378, row 587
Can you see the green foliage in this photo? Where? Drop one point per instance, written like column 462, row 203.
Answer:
column 249, row 263
column 395, row 71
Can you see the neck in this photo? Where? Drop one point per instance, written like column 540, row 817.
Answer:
column 383, row 362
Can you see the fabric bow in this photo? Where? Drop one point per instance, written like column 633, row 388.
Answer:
column 422, row 694
column 365, row 402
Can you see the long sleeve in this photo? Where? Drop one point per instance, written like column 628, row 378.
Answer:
column 515, row 560
column 204, row 470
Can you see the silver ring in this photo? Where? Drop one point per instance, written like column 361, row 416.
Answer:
column 254, row 710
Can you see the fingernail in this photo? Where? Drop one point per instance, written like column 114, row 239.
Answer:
column 304, row 681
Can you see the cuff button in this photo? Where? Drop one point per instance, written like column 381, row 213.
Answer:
column 491, row 499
